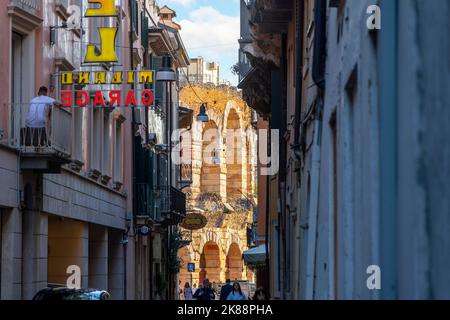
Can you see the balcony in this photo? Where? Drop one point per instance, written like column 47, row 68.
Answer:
column 166, row 205
column 41, row 149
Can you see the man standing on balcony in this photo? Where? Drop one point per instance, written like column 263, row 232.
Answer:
column 36, row 121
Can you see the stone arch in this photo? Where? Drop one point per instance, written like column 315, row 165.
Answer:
column 207, row 236
column 210, row 266
column 235, row 154
column 231, row 105
column 197, row 153
column 232, row 238
column 210, row 152
column 234, row 264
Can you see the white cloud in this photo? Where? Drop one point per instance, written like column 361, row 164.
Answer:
column 181, row 2
column 210, row 33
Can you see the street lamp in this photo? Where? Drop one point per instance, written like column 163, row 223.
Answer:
column 202, row 116
column 167, row 76
column 166, row 72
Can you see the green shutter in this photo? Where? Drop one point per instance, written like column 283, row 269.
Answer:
column 134, row 15
column 144, row 31
column 159, row 87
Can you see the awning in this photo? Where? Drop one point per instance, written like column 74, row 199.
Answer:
column 255, row 257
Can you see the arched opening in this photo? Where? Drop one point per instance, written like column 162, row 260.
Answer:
column 184, row 275
column 210, row 175
column 210, row 263
column 234, row 155
column 234, row 263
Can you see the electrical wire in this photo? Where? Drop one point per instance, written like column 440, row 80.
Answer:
column 185, row 75
column 128, row 47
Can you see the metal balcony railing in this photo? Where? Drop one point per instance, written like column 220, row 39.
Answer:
column 170, row 200
column 159, row 203
column 145, row 201
column 54, row 137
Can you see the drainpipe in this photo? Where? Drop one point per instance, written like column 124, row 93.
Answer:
column 283, row 267
column 312, row 211
column 296, row 147
column 299, row 79
column 133, row 151
column 267, row 282
column 169, row 277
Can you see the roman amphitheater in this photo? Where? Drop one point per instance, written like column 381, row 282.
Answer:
column 223, row 188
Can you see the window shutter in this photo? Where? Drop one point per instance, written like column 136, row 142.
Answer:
column 134, row 15
column 144, row 31
column 159, row 87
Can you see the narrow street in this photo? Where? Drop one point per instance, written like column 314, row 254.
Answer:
column 224, row 150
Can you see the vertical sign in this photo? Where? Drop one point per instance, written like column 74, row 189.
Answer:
column 107, row 34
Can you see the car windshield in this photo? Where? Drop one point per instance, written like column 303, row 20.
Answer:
column 80, row 295
column 68, row 294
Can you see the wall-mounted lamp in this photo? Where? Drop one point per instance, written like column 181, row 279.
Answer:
column 166, row 72
column 202, row 116
column 53, row 32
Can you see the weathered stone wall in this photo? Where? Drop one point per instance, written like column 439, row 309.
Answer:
column 217, row 249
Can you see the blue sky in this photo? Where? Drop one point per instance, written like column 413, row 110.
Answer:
column 209, row 29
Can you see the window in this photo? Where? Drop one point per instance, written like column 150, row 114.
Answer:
column 118, row 153
column 16, row 74
column 77, row 152
column 96, row 139
column 340, row 17
column 106, row 155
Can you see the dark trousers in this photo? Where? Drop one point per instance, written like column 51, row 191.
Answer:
column 34, row 137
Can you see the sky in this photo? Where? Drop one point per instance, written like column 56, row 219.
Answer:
column 210, row 29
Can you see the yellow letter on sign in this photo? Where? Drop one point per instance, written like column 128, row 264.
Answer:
column 106, row 9
column 107, row 47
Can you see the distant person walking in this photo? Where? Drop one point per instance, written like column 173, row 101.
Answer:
column 187, row 292
column 225, row 290
column 205, row 292
column 236, row 293
column 261, row 294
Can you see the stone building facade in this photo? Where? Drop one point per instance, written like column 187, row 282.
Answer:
column 74, row 200
column 364, row 138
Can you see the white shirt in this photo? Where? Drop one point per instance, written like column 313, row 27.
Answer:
column 37, row 114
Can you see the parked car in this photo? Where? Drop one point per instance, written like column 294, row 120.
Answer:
column 64, row 293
